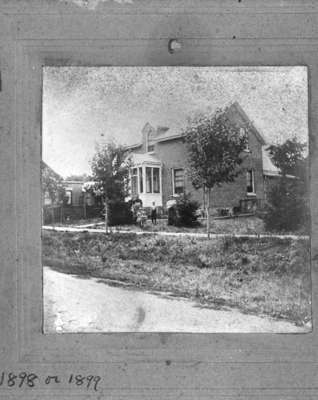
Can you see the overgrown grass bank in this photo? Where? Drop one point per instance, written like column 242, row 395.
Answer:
column 262, row 276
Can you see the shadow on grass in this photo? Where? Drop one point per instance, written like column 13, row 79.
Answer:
column 218, row 304
column 77, row 269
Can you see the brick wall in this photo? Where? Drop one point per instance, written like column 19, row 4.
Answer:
column 77, row 194
column 173, row 155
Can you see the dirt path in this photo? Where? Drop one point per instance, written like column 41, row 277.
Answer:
column 77, row 304
column 162, row 233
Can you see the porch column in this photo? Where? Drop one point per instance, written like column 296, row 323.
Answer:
column 143, row 179
column 138, row 182
column 161, row 185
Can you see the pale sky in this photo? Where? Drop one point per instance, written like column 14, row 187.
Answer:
column 80, row 104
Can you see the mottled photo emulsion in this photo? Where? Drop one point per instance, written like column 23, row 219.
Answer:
column 175, row 199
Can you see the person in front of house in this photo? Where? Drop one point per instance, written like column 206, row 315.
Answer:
column 141, row 217
column 136, row 204
column 154, row 213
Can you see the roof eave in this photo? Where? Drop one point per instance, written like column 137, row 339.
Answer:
column 271, row 173
column 277, row 174
column 174, row 137
column 253, row 127
column 146, row 162
column 133, row 146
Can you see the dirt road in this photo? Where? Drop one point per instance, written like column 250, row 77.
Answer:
column 81, row 304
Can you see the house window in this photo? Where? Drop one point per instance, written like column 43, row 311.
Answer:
column 247, row 147
column 68, row 197
column 242, row 134
column 134, row 182
column 156, row 180
column 47, row 198
column 178, row 181
column 148, row 179
column 152, row 180
column 141, row 184
column 151, row 147
column 89, row 199
column 250, row 186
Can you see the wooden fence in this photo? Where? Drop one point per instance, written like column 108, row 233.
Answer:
column 59, row 214
column 52, row 214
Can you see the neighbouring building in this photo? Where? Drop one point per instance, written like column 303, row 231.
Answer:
column 80, row 203
column 159, row 171
column 52, row 194
column 52, row 186
column 67, row 200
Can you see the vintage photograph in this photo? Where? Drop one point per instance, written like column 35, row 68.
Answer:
column 175, row 199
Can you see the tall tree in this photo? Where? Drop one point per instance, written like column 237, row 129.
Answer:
column 52, row 184
column 289, row 156
column 110, row 170
column 214, row 146
column 52, row 188
column 288, row 199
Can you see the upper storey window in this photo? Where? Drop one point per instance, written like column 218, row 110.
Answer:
column 244, row 133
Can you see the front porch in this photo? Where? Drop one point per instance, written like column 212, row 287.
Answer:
column 146, row 179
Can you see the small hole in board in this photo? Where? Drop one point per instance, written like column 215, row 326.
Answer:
column 174, row 45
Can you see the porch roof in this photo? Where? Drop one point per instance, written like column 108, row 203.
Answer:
column 269, row 168
column 146, row 158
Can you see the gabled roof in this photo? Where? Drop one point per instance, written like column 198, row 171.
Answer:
column 236, row 107
column 166, row 134
column 44, row 166
column 236, row 115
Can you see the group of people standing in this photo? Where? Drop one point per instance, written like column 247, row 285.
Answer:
column 140, row 214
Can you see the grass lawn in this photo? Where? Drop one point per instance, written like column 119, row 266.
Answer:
column 260, row 276
column 238, row 225
column 247, row 225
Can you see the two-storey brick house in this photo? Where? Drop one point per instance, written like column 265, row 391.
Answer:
column 159, row 171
